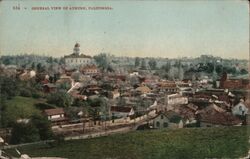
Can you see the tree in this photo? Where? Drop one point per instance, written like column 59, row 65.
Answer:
column 102, row 61
column 166, row 67
column 152, row 64
column 143, row 64
column 7, row 61
column 61, row 99
column 24, row 132
column 219, row 69
column 37, row 128
column 33, row 66
column 9, row 87
column 40, row 68
column 43, row 125
column 121, row 102
column 137, row 61
column 94, row 113
column 243, row 71
column 50, row 60
column 61, row 61
column 173, row 73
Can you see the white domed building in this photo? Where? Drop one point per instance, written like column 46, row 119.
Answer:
column 76, row 59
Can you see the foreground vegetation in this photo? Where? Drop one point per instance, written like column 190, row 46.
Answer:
column 228, row 142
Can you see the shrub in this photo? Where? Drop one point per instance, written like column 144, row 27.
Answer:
column 25, row 93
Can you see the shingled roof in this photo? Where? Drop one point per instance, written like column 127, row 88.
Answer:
column 55, row 111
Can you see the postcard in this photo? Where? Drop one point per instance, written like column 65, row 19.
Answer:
column 83, row 79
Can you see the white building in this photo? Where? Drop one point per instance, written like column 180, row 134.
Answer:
column 76, row 59
column 174, row 99
column 240, row 109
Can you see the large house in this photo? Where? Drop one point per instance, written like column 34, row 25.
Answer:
column 76, row 59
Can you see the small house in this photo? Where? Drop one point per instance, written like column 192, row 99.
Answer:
column 49, row 88
column 170, row 119
column 121, row 112
column 90, row 70
column 56, row 115
column 143, row 89
column 240, row 109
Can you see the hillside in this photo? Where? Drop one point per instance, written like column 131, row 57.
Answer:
column 22, row 107
column 229, row 142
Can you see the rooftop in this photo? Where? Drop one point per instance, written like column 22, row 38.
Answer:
column 55, row 111
column 77, row 56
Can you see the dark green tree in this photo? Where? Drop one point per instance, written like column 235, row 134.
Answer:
column 143, row 64
column 102, row 61
column 43, row 125
column 61, row 99
column 243, row 71
column 152, row 64
column 40, row 68
column 50, row 60
column 9, row 87
column 137, row 61
column 23, row 133
column 33, row 66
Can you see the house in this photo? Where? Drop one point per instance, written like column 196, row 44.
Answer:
column 187, row 112
column 234, row 83
column 211, row 116
column 169, row 119
column 176, row 99
column 27, row 74
column 115, row 94
column 64, row 81
column 240, row 109
column 134, row 73
column 56, row 115
column 49, row 88
column 121, row 112
column 89, row 70
column 143, row 89
column 167, row 86
column 117, row 77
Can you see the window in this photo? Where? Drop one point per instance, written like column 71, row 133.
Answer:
column 240, row 107
column 157, row 124
column 162, row 116
column 165, row 124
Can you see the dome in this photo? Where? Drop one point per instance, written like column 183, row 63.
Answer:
column 77, row 45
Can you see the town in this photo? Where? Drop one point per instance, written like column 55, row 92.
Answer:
column 79, row 96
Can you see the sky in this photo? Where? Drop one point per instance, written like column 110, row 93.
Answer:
column 168, row 29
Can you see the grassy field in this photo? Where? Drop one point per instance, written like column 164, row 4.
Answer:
column 229, row 142
column 20, row 107
column 23, row 107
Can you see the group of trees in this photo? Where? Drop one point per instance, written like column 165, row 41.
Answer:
column 37, row 128
column 60, row 98
column 102, row 62
column 218, row 68
column 141, row 62
column 9, row 87
column 95, row 109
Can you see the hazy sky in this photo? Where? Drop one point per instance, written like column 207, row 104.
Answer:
column 131, row 28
